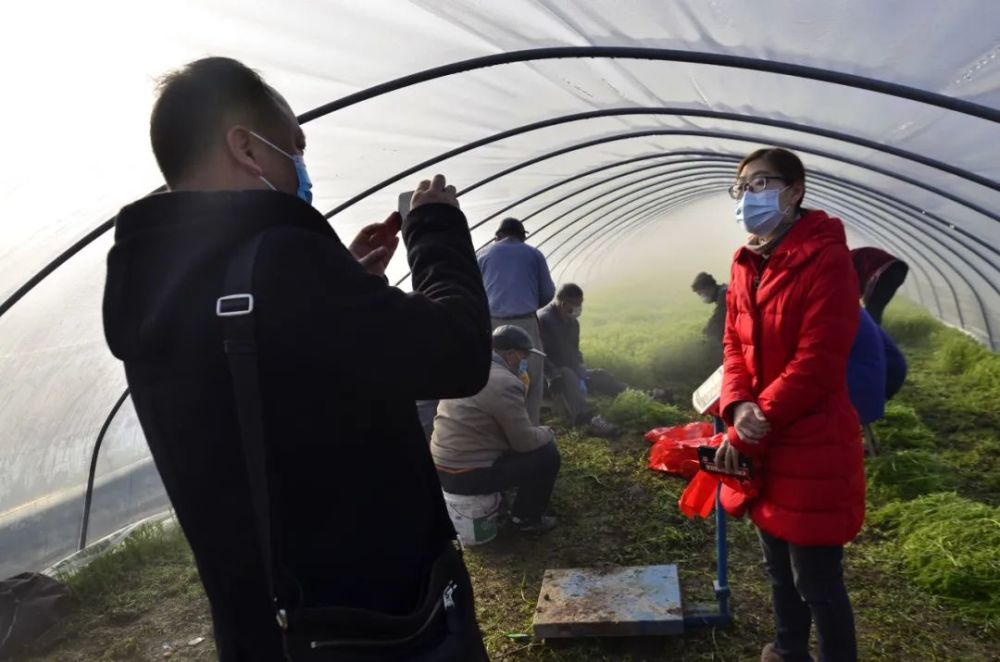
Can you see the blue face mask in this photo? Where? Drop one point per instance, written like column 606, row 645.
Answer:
column 522, row 368
column 304, row 190
column 760, row 213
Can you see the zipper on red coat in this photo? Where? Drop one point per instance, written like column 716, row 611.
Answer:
column 758, row 321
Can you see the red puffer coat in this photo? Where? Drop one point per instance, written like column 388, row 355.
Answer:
column 790, row 325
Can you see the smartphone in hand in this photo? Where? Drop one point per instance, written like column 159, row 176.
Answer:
column 706, row 458
column 403, row 205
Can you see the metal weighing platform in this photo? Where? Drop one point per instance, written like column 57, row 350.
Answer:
column 630, row 601
column 599, row 602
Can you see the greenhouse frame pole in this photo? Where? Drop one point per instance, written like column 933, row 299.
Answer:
column 868, row 227
column 89, row 494
column 584, row 52
column 670, row 111
column 665, row 55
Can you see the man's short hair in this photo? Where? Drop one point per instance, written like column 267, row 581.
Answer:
column 703, row 281
column 194, row 104
column 569, row 291
column 511, row 227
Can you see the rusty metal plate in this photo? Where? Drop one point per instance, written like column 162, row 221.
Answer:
column 609, row 602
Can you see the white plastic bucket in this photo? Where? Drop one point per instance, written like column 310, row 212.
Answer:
column 474, row 516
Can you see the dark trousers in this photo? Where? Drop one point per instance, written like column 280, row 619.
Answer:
column 602, row 382
column 574, row 400
column 533, row 474
column 884, row 289
column 807, row 584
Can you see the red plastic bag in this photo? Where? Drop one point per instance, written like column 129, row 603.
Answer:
column 679, row 456
column 699, row 496
column 679, row 432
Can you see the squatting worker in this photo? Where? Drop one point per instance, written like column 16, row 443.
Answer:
column 518, row 283
column 357, row 510
column 485, row 443
column 569, row 378
column 791, row 321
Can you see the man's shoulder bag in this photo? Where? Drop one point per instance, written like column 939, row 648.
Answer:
column 441, row 628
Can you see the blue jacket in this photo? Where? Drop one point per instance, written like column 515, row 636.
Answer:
column 516, row 277
column 866, row 371
column 895, row 366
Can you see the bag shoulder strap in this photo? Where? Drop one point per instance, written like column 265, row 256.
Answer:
column 236, row 310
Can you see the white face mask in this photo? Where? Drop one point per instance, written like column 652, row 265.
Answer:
column 576, row 312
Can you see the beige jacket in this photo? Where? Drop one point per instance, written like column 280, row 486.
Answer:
column 473, row 432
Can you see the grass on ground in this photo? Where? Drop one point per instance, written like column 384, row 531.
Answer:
column 923, row 575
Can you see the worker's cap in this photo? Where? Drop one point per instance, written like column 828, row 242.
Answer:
column 509, row 337
column 512, row 226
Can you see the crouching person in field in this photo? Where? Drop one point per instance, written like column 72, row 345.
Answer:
column 569, row 379
column 486, row 443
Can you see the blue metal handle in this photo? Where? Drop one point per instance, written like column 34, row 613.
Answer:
column 722, row 556
column 702, row 615
column 721, row 546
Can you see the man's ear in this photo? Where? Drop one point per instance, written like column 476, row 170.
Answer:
column 241, row 147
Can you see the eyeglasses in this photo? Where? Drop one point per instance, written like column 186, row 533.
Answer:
column 755, row 185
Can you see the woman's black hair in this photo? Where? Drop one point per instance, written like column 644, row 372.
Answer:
column 785, row 163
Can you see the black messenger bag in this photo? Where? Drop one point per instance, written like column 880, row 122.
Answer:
column 442, row 628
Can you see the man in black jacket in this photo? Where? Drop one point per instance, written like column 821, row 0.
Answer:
column 358, row 514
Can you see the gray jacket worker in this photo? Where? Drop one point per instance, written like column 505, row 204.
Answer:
column 518, row 283
column 569, row 378
column 342, row 358
column 485, row 443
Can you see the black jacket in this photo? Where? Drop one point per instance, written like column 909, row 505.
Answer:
column 343, row 357
column 561, row 342
column 716, row 326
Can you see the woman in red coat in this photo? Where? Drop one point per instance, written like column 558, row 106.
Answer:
column 792, row 317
